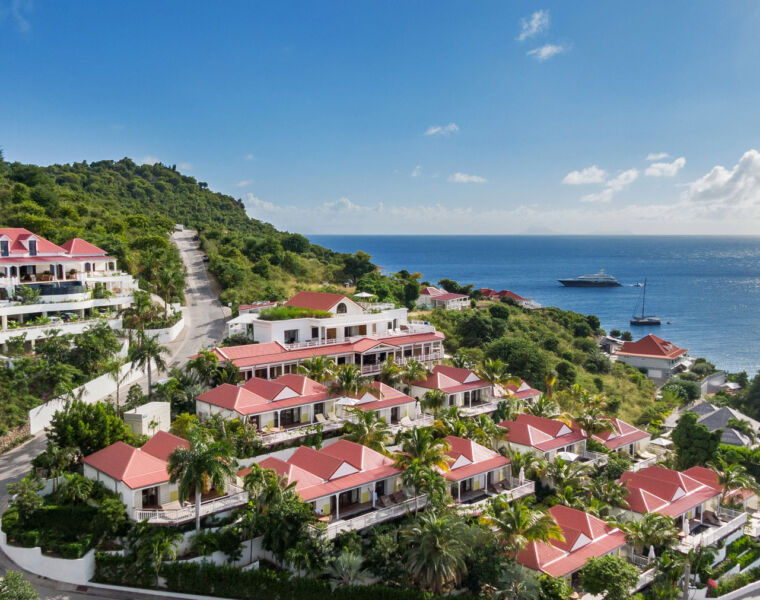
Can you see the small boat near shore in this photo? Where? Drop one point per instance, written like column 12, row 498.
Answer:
column 644, row 319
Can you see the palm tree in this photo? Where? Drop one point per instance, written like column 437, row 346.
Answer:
column 350, row 382
column 204, row 462
column 390, row 373
column 420, row 445
column 425, row 480
column 495, row 372
column 168, row 282
column 450, row 423
column 518, row 523
column 112, row 368
column 484, row 431
column 461, row 360
column 435, row 550
column 434, row 400
column 367, row 429
column 543, row 407
column 318, row 368
column 266, row 489
column 732, row 477
column 141, row 308
column 530, row 463
column 592, row 422
column 226, row 372
column 148, row 352
column 652, row 529
column 507, row 409
column 609, row 491
column 550, row 381
column 412, row 371
column 346, row 570
column 562, row 473
column 203, row 365
column 157, row 544
column 57, row 460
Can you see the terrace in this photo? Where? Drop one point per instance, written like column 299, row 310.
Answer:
column 712, row 528
column 374, row 516
column 232, row 498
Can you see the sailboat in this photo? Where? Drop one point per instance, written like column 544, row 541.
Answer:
column 644, row 319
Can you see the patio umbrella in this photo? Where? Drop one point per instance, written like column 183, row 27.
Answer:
column 686, row 529
column 363, row 295
column 521, row 476
column 652, row 555
column 568, row 456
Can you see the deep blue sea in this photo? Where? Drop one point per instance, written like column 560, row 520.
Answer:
column 705, row 289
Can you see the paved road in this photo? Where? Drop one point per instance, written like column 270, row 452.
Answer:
column 204, row 327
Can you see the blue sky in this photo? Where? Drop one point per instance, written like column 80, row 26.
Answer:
column 407, row 117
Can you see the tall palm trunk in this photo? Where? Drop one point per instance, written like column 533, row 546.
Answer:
column 150, row 385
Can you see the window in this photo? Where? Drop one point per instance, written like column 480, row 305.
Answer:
column 4, row 251
column 291, row 336
column 314, row 333
column 32, row 247
column 341, row 309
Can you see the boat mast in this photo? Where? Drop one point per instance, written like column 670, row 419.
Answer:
column 644, row 298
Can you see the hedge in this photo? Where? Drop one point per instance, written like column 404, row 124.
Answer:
column 734, row 582
column 232, row 582
column 121, row 570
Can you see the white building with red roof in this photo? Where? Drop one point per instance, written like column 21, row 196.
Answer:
column 270, row 405
column 432, row 297
column 523, row 392
column 389, row 404
column 63, row 276
column 141, row 478
column 657, row 358
column 475, row 470
column 623, row 437
column 543, row 436
column 689, row 497
column 490, row 294
column 585, row 537
column 463, row 389
column 341, row 480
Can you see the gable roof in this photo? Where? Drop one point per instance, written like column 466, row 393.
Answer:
column 523, row 391
column 652, row 346
column 80, row 247
column 438, row 294
column 163, row 443
column 664, row 491
column 541, row 433
column 719, row 418
column 622, row 434
column 470, row 458
column 336, row 468
column 130, row 465
column 585, row 536
column 317, row 300
column 451, row 380
column 17, row 235
column 710, row 478
column 388, row 397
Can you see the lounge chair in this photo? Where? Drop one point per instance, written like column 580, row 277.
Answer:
column 399, row 496
column 320, row 418
column 406, row 422
column 384, row 501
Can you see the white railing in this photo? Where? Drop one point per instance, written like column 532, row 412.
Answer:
column 61, row 324
column 729, row 514
column 479, row 409
column 598, row 458
column 519, row 491
column 377, row 305
column 644, row 463
column 270, row 439
column 638, row 560
column 422, row 421
column 235, row 497
column 712, row 534
column 379, row 515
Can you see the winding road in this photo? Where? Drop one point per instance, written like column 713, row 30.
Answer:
column 204, row 327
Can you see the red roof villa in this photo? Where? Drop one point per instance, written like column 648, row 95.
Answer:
column 656, row 357
column 389, row 404
column 543, row 436
column 585, row 536
column 463, row 388
column 433, row 297
column 623, row 438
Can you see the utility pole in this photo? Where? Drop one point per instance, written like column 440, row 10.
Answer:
column 686, row 580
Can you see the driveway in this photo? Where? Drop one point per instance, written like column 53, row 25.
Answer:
column 204, row 328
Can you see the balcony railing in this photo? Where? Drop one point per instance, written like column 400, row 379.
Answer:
column 379, row 515
column 639, row 561
column 277, row 437
column 479, row 409
column 714, row 534
column 644, row 463
column 235, row 497
column 519, row 491
column 377, row 367
column 598, row 458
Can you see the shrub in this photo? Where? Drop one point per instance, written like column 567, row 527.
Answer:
column 72, row 550
column 30, row 539
column 282, row 313
column 499, row 311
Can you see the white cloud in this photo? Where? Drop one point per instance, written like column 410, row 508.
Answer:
column 664, row 169
column 149, row 160
column 538, row 22
column 185, row 166
column 18, row 11
column 248, row 157
column 466, row 178
column 657, row 155
column 417, row 171
column 244, row 183
column 613, row 186
column 592, row 174
column 442, row 129
column 546, row 51
column 737, row 188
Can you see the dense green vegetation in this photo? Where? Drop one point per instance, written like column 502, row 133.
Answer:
column 552, row 349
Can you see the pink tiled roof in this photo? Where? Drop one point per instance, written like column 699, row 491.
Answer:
column 480, row 458
column 665, row 491
column 132, row 466
column 388, row 397
column 622, row 434
column 585, row 536
column 710, row 478
column 251, row 355
column 19, row 234
column 316, row 472
column 541, row 433
column 451, row 380
column 163, row 443
column 521, row 392
column 80, row 247
column 652, row 346
column 438, row 294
